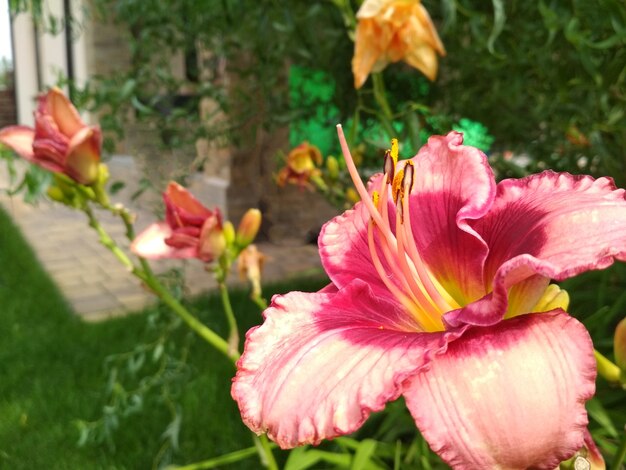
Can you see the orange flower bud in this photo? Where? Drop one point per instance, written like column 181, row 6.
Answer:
column 248, row 227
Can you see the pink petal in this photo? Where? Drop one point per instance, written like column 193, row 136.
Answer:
column 592, row 453
column 510, row 396
column 345, row 253
column 20, row 139
column 182, row 208
column 453, row 186
column 83, row 157
column 553, row 224
column 151, row 244
column 320, row 363
column 63, row 112
column 570, row 223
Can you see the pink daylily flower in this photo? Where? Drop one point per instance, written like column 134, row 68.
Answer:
column 440, row 293
column 60, row 142
column 190, row 230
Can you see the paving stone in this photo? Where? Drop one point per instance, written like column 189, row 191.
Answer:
column 95, row 303
column 92, row 279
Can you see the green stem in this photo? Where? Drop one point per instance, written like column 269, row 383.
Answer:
column 221, row 460
column 153, row 283
column 606, row 368
column 381, row 99
column 129, row 223
column 196, row 325
column 107, row 241
column 620, row 455
column 260, row 301
column 264, row 448
column 233, row 336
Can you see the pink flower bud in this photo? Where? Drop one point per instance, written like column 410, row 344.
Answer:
column 60, row 142
column 190, row 230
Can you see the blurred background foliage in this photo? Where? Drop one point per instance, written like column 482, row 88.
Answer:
column 545, row 78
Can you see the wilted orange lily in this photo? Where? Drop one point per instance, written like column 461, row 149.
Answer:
column 301, row 165
column 394, row 30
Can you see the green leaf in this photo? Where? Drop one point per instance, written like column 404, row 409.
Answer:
column 301, row 458
column 116, row 187
column 363, row 455
column 598, row 413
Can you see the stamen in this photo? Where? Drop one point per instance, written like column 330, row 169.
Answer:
column 389, row 166
column 394, row 151
column 358, row 184
column 375, row 198
column 396, row 186
column 438, row 294
column 425, row 301
column 407, row 180
column 390, row 258
column 406, row 276
column 425, row 320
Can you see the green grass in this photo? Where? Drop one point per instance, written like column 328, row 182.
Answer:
column 52, row 374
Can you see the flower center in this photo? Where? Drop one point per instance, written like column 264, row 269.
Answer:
column 392, row 246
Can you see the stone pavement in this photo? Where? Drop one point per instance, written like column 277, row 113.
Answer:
column 94, row 281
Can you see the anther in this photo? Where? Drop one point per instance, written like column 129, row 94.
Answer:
column 407, row 180
column 394, row 150
column 375, row 198
column 397, row 186
column 389, row 166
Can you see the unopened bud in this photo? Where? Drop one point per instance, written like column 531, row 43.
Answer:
column 248, row 227
column 56, row 194
column 212, row 240
column 229, row 232
column 352, row 196
column 619, row 345
column 332, row 165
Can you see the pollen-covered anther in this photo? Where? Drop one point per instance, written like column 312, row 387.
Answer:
column 397, row 185
column 394, row 150
column 375, row 198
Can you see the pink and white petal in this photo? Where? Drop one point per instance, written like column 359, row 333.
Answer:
column 453, row 185
column 345, row 253
column 151, row 244
column 509, row 396
column 19, row 139
column 320, row 363
column 63, row 112
column 570, row 223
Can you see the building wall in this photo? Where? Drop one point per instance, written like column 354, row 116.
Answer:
column 8, row 109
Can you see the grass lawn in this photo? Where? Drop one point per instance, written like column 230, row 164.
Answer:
column 52, row 374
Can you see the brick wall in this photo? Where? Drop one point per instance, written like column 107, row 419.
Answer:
column 8, row 109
